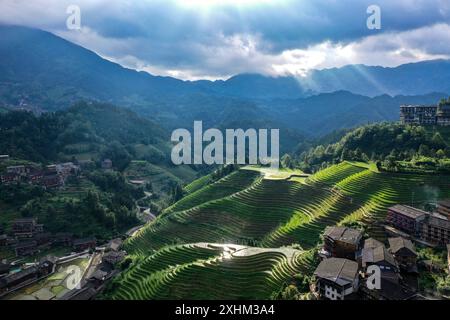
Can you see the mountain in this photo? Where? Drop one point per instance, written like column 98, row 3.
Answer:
column 323, row 113
column 40, row 71
column 408, row 79
column 255, row 86
column 45, row 69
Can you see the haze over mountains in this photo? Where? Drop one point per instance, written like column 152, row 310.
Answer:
column 42, row 72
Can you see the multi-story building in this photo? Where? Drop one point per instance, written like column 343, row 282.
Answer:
column 436, row 229
column 425, row 115
column 444, row 208
column 443, row 115
column 26, row 227
column 413, row 114
column 406, row 218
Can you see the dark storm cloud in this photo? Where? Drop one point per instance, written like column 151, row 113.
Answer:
column 227, row 38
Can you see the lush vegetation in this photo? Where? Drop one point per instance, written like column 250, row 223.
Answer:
column 396, row 147
column 267, row 213
column 187, row 272
column 96, row 202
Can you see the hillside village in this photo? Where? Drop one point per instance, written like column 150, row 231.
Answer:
column 34, row 248
column 346, row 254
column 344, row 273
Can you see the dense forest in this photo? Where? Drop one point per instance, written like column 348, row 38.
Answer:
column 93, row 130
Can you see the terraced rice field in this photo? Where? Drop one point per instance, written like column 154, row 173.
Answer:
column 244, row 209
column 211, row 271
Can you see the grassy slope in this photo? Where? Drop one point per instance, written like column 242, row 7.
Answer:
column 268, row 213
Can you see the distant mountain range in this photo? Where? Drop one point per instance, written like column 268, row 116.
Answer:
column 43, row 72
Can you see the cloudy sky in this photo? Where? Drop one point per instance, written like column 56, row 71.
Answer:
column 215, row 39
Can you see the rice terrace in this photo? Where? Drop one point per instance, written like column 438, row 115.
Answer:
column 249, row 234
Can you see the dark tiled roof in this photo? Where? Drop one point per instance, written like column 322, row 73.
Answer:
column 445, row 203
column 408, row 211
column 377, row 255
column 398, row 243
column 338, row 270
column 343, row 234
column 372, row 243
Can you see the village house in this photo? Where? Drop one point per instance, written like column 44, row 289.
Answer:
column 66, row 169
column 84, row 244
column 35, row 177
column 26, row 227
column 98, row 277
column 114, row 245
column 341, row 242
column 26, row 248
column 10, row 178
column 107, row 164
column 406, row 218
column 10, row 282
column 113, row 257
column 4, row 157
column 444, row 208
column 16, row 280
column 392, row 284
column 63, row 239
column 336, row 279
column 43, row 239
column 381, row 257
column 51, row 180
column 19, row 170
column 404, row 253
column 436, row 230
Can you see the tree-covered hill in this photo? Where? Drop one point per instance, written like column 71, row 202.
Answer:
column 86, row 131
column 385, row 142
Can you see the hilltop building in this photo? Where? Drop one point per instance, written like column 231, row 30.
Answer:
column 341, row 242
column 425, row 115
column 336, row 279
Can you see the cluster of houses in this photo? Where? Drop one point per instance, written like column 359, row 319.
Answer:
column 429, row 228
column 10, row 282
column 51, row 176
column 27, row 237
column 347, row 261
column 111, row 254
column 348, row 258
